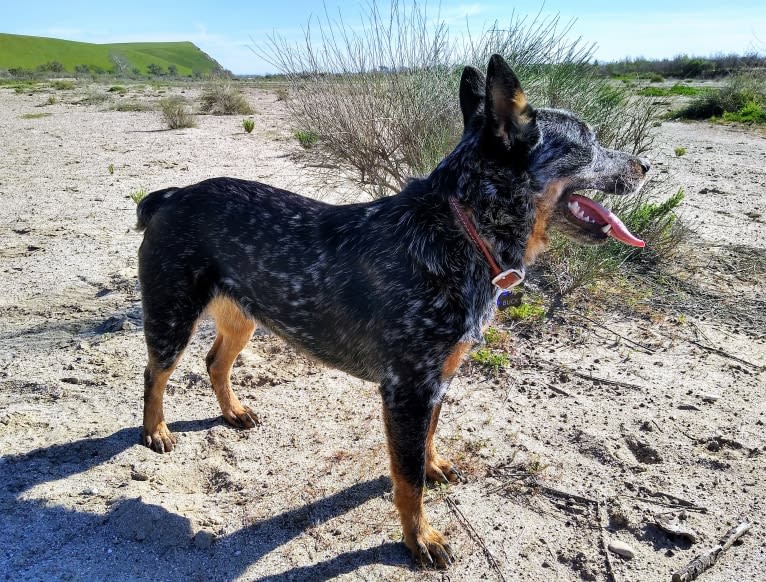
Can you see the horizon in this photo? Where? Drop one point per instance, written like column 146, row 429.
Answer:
column 698, row 29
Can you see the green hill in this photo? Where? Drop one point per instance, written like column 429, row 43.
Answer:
column 31, row 52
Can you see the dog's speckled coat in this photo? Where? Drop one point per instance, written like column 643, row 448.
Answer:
column 390, row 291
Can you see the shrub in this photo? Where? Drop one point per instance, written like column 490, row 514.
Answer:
column 737, row 93
column 248, row 125
column 221, row 97
column 131, row 106
column 176, row 113
column 117, row 89
column 752, row 112
column 282, row 94
column 63, row 85
column 383, row 96
column 679, row 151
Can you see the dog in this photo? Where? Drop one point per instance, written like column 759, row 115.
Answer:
column 395, row 291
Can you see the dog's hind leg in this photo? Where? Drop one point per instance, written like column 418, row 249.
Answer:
column 407, row 420
column 165, row 342
column 233, row 330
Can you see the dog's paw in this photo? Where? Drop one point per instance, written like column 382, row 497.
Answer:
column 241, row 417
column 441, row 470
column 160, row 440
column 430, row 549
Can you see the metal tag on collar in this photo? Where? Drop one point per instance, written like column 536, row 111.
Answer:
column 505, row 282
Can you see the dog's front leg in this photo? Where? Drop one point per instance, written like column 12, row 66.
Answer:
column 407, row 418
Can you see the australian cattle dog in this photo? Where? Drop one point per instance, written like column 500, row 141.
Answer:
column 395, row 291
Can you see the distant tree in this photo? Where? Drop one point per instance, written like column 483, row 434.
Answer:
column 120, row 64
column 81, row 70
column 51, row 67
column 154, row 69
column 172, row 70
column 136, row 71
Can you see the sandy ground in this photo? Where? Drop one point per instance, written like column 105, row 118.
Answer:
column 668, row 417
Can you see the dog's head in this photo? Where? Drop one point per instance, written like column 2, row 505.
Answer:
column 557, row 154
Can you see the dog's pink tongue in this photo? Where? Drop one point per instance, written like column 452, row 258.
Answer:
column 618, row 231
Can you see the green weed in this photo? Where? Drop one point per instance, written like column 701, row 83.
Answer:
column 119, row 89
column 110, row 168
column 248, row 125
column 35, row 115
column 307, row 139
column 679, row 151
column 525, row 311
column 138, row 195
column 676, row 89
column 490, row 359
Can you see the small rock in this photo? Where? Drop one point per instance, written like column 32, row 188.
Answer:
column 138, row 475
column 710, row 397
column 204, row 539
column 128, row 325
column 90, row 491
column 621, row 549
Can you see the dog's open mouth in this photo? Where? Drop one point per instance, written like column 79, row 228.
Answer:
column 592, row 215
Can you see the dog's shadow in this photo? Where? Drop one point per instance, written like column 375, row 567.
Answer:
column 68, row 543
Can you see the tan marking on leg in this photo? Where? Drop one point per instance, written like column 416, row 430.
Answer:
column 234, row 330
column 544, row 207
column 156, row 434
column 455, row 358
column 438, row 468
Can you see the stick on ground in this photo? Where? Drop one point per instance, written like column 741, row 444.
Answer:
column 705, row 561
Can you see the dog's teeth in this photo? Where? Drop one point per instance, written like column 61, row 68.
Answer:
column 606, row 228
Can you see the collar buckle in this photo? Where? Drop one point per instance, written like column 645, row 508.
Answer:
column 508, row 279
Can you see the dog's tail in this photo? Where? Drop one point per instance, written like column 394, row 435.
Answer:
column 150, row 204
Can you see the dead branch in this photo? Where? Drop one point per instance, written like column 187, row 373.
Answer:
column 705, row 561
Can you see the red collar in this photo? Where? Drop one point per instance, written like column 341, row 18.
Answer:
column 500, row 279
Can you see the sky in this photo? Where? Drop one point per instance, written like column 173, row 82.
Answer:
column 229, row 30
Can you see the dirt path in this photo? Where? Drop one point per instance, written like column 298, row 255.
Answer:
column 306, row 495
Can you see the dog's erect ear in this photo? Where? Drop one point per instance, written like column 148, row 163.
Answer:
column 509, row 116
column 471, row 93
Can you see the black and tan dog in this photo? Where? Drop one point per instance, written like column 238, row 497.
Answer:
column 395, row 291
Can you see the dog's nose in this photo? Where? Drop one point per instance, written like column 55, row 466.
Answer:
column 645, row 165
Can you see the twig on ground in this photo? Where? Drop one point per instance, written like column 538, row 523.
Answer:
column 476, row 537
column 627, row 339
column 713, row 350
column 602, row 523
column 590, row 377
column 559, row 390
column 705, row 561
column 666, row 500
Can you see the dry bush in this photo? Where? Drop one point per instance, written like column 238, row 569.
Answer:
column 382, row 97
column 176, row 112
column 222, row 97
